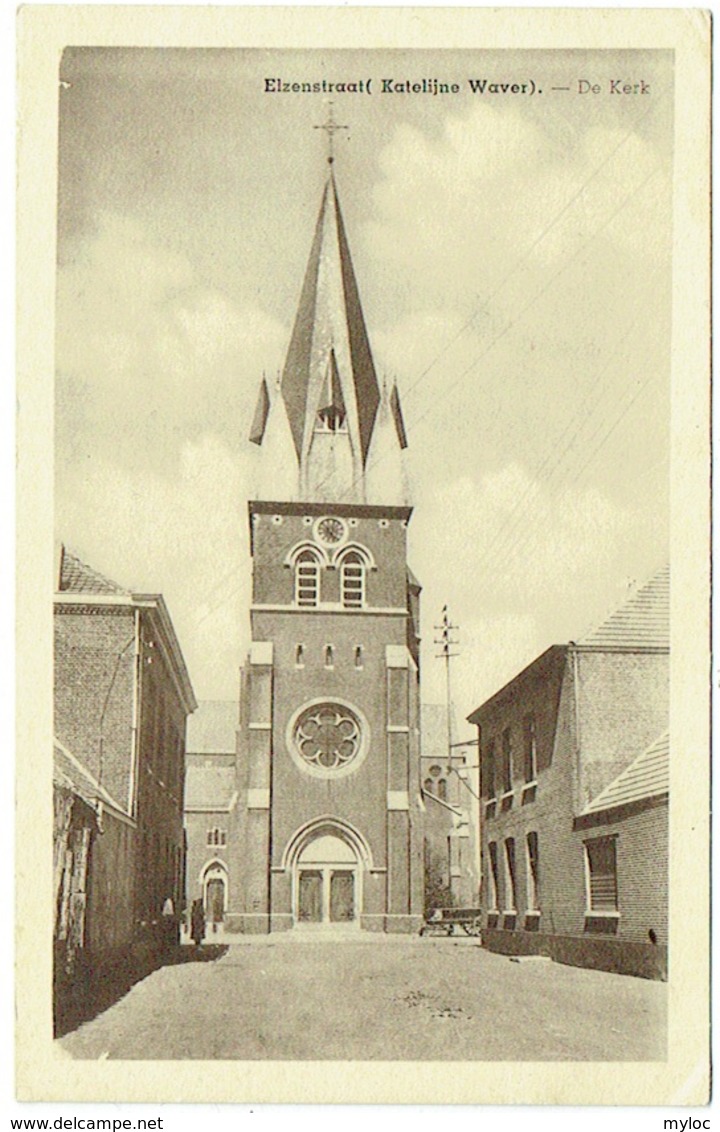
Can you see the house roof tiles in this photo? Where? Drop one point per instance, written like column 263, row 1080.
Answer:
column 643, row 621
column 647, row 776
column 209, row 786
column 78, row 577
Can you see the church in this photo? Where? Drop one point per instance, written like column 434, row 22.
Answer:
column 324, row 832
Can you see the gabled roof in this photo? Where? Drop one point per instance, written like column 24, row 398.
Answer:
column 643, row 621
column 209, row 786
column 541, row 668
column 77, row 577
column 648, row 776
column 69, row 772
column 211, row 730
column 330, row 327
column 79, row 585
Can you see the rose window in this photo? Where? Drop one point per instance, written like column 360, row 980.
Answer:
column 327, row 736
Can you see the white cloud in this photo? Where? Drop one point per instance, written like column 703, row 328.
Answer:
column 523, row 564
column 185, row 538
column 494, row 193
column 159, row 372
column 147, row 352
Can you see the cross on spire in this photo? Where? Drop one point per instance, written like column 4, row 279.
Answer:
column 331, row 127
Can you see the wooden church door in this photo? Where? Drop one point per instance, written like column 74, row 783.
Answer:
column 310, row 910
column 342, row 896
column 216, row 900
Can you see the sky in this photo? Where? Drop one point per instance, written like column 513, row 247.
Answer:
column 513, row 255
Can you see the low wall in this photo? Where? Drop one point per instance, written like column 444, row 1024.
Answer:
column 645, row 960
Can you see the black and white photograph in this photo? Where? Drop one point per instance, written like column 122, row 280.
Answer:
column 366, row 419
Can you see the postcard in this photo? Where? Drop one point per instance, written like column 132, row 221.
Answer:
column 363, row 441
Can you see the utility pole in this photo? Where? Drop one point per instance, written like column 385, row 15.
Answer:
column 446, row 643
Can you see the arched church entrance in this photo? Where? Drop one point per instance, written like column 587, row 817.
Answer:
column 215, row 893
column 327, row 882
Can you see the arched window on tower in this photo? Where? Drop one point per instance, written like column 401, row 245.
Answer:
column 307, row 579
column 352, row 581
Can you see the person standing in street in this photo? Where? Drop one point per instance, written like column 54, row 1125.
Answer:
column 169, row 924
column 197, row 923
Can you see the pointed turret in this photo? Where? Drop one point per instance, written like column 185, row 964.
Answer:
column 278, row 469
column 328, row 382
column 385, row 475
column 329, row 385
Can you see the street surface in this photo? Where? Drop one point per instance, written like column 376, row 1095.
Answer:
column 387, row 998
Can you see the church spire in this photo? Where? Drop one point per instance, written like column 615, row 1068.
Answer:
column 329, row 342
column 329, row 386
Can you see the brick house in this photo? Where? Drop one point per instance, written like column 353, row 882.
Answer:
column 122, row 696
column 574, row 796
column 211, row 825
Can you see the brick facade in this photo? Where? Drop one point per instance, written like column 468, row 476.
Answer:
column 592, row 712
column 94, row 679
column 354, row 657
column 122, row 696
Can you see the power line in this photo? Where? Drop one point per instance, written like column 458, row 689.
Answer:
column 554, row 459
column 422, row 417
column 540, row 519
column 538, row 240
column 497, row 290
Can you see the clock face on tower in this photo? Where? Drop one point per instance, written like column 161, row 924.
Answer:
column 330, row 531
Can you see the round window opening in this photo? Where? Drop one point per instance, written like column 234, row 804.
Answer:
column 327, row 739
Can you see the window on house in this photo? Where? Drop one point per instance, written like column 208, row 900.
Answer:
column 442, row 789
column 601, row 863
column 329, row 656
column 216, row 836
column 428, row 785
column 160, row 751
column 299, row 656
column 352, row 581
column 307, row 579
column 494, row 875
column 358, row 656
column 533, row 873
column 151, row 718
column 507, row 761
column 510, row 898
column 530, row 749
column 490, row 770
column 170, row 752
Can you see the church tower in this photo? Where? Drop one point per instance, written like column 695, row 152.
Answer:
column 328, row 760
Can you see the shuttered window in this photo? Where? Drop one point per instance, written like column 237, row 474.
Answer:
column 600, row 854
column 490, row 770
column 494, row 876
column 510, row 901
column 507, row 761
column 533, row 878
column 307, row 579
column 530, row 736
column 353, row 581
